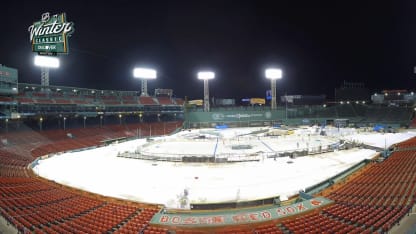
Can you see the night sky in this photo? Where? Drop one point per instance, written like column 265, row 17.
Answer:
column 317, row 44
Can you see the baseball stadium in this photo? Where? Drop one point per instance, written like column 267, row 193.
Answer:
column 83, row 160
column 77, row 160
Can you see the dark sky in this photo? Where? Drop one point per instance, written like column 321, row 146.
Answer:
column 318, row 44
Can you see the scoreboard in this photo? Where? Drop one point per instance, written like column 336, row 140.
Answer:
column 8, row 80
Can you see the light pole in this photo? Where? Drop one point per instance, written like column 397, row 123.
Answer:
column 120, row 116
column 144, row 74
column 7, row 125
column 40, row 123
column 85, row 118
column 101, row 121
column 64, row 123
column 273, row 74
column 206, row 76
column 286, row 105
column 45, row 62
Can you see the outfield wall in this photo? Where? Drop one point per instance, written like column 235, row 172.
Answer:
column 361, row 115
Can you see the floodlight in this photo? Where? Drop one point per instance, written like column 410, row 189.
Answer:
column 273, row 73
column 144, row 73
column 206, row 75
column 46, row 61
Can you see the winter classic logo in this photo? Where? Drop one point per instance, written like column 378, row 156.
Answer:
column 50, row 35
column 217, row 116
column 268, row 115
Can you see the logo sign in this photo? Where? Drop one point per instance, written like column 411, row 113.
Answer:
column 217, row 116
column 268, row 115
column 269, row 94
column 256, row 215
column 49, row 36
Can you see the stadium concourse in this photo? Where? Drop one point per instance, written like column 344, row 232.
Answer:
column 371, row 199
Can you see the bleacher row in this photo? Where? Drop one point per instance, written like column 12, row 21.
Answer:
column 42, row 208
column 35, row 205
column 371, row 202
column 409, row 144
column 52, row 141
column 56, row 98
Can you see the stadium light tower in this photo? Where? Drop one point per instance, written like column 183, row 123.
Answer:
column 206, row 75
column 273, row 74
column 45, row 62
column 144, row 74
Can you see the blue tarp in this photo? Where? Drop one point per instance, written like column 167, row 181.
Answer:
column 378, row 127
column 224, row 126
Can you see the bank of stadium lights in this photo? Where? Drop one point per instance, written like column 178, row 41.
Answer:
column 273, row 74
column 144, row 74
column 45, row 63
column 206, row 76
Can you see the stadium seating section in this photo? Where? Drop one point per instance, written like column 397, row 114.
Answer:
column 60, row 98
column 372, row 200
column 147, row 101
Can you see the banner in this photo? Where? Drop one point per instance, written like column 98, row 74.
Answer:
column 50, row 35
column 238, row 217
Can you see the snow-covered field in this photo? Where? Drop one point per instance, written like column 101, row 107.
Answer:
column 101, row 171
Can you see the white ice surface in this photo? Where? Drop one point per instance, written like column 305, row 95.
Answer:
column 101, row 171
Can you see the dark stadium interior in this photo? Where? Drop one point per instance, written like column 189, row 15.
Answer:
column 344, row 64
